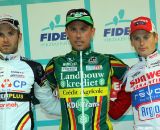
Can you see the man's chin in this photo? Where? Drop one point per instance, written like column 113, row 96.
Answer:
column 7, row 52
column 79, row 49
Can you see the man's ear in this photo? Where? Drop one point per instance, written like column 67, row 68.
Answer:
column 131, row 41
column 66, row 32
column 156, row 37
column 93, row 32
column 20, row 37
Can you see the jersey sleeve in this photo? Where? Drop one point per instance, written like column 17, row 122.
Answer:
column 120, row 105
column 48, row 101
column 44, row 94
column 118, row 67
column 127, row 79
column 50, row 76
column 123, row 100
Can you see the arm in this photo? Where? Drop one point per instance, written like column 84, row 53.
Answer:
column 48, row 101
column 121, row 104
column 43, row 92
column 123, row 99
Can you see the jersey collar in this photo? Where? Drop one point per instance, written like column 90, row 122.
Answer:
column 84, row 52
column 7, row 57
column 151, row 57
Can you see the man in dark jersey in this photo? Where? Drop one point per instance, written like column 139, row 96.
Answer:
column 84, row 79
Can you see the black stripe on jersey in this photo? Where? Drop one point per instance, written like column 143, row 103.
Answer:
column 93, row 114
column 14, row 96
column 38, row 75
column 69, row 123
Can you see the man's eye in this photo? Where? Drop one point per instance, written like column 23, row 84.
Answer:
column 10, row 33
column 1, row 34
column 146, row 37
column 83, row 29
column 136, row 38
column 73, row 29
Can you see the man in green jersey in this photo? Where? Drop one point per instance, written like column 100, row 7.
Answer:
column 84, row 79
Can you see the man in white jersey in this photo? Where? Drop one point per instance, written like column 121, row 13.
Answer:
column 19, row 79
column 143, row 78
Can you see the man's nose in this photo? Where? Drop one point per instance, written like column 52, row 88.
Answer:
column 78, row 33
column 5, row 38
column 142, row 42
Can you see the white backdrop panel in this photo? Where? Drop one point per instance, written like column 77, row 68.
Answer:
column 47, row 21
column 114, row 17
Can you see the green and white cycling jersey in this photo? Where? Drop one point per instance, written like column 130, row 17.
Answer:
column 84, row 81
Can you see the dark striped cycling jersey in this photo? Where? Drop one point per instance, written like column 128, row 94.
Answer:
column 84, row 81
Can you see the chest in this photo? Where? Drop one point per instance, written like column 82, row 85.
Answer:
column 143, row 76
column 15, row 77
column 92, row 72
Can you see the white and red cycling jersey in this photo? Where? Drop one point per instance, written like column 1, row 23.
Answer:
column 143, row 80
column 19, row 78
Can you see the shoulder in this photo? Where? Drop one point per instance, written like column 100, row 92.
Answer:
column 115, row 60
column 113, row 57
column 97, row 54
column 110, row 56
column 137, row 65
column 54, row 59
column 30, row 62
column 35, row 66
column 135, row 69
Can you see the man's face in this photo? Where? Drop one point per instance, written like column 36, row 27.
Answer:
column 9, row 39
column 144, row 42
column 79, row 35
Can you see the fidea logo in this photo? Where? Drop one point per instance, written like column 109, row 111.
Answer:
column 117, row 29
column 52, row 32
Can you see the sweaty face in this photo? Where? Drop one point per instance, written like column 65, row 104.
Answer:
column 79, row 35
column 144, row 42
column 9, row 39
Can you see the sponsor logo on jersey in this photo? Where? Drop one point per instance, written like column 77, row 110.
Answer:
column 149, row 111
column 68, row 64
column 89, row 79
column 7, row 83
column 17, row 76
column 83, row 119
column 86, row 103
column 155, row 64
column 87, row 92
column 8, row 105
column 93, row 60
column 69, row 69
column 142, row 81
column 147, row 94
column 78, row 105
column 153, row 55
column 94, row 67
column 4, row 96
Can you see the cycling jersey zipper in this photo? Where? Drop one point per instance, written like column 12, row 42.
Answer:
column 6, row 72
column 82, row 89
column 148, row 87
